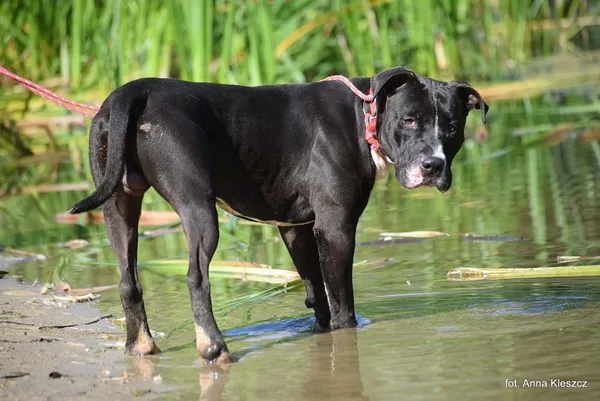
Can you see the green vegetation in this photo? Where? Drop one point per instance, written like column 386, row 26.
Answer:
column 97, row 46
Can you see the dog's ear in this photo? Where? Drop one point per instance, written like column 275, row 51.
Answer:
column 391, row 79
column 472, row 98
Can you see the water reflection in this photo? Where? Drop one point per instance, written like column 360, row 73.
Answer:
column 444, row 357
column 332, row 366
column 212, row 381
column 335, row 367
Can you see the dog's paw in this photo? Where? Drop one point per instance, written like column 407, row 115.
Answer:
column 321, row 327
column 216, row 354
column 224, row 359
column 343, row 322
column 143, row 348
column 143, row 344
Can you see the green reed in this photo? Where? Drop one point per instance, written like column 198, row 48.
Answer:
column 91, row 44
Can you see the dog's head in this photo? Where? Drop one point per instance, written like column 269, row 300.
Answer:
column 421, row 124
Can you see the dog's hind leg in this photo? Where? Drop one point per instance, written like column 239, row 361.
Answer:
column 185, row 181
column 201, row 227
column 302, row 246
column 121, row 214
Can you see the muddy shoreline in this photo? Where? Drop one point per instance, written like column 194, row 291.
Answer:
column 39, row 361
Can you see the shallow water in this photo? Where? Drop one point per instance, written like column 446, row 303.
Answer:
column 420, row 336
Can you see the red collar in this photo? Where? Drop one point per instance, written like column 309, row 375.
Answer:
column 371, row 124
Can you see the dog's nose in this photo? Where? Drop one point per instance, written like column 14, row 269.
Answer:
column 432, row 165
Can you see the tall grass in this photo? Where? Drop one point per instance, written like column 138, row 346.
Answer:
column 92, row 44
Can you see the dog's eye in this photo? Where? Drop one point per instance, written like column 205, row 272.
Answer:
column 452, row 128
column 409, row 121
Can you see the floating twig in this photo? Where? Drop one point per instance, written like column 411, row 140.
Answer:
column 233, row 269
column 474, row 273
column 79, row 298
column 83, row 291
column 573, row 259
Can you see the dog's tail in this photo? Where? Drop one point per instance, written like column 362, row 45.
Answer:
column 124, row 110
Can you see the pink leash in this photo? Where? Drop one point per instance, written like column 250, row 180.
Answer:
column 370, row 117
column 367, row 98
column 77, row 107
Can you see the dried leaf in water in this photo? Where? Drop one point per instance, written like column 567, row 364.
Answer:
column 474, row 273
column 79, row 298
column 83, row 291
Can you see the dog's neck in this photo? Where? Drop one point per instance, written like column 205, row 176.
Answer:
column 382, row 162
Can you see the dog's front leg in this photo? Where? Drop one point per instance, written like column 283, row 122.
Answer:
column 335, row 234
column 303, row 249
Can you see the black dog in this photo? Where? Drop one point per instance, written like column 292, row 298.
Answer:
column 290, row 155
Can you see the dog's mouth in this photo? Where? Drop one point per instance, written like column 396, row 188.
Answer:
column 413, row 177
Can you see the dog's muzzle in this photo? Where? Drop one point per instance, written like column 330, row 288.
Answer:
column 428, row 171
